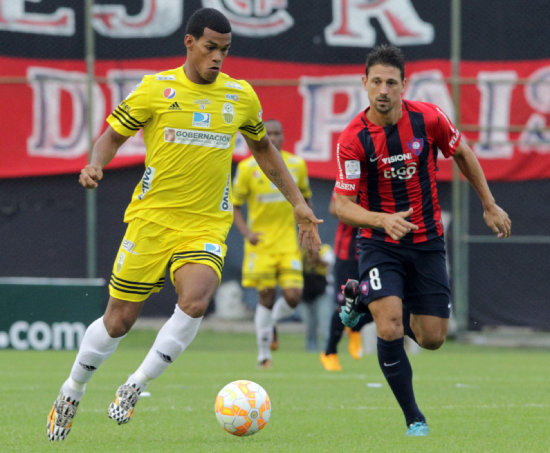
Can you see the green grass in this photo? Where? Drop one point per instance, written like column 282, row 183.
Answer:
column 476, row 399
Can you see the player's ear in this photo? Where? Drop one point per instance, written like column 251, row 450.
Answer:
column 188, row 41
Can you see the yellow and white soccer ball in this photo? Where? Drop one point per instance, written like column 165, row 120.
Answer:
column 243, row 407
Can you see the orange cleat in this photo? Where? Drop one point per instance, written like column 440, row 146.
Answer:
column 355, row 347
column 275, row 342
column 265, row 364
column 330, row 362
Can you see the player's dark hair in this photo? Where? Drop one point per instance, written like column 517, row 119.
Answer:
column 207, row 18
column 388, row 56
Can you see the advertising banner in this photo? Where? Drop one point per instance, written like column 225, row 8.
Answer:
column 47, row 313
column 305, row 63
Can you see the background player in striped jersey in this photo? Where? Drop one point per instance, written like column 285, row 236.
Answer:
column 388, row 155
column 180, row 212
column 345, row 267
column 272, row 254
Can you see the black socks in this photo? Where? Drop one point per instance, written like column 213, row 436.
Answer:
column 335, row 334
column 398, row 372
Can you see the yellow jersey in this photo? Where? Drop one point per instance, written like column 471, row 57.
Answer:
column 323, row 264
column 189, row 132
column 269, row 212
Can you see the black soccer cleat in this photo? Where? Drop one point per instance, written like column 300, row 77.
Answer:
column 349, row 314
column 351, row 292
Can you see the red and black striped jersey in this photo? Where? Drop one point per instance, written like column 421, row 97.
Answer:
column 345, row 242
column 393, row 168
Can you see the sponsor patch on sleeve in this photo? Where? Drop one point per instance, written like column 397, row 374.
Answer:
column 165, row 77
column 345, row 186
column 352, row 169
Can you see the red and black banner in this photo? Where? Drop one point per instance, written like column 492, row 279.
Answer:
column 305, row 63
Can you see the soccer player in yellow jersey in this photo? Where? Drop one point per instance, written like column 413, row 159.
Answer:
column 180, row 212
column 271, row 252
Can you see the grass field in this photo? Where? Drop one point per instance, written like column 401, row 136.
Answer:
column 476, row 399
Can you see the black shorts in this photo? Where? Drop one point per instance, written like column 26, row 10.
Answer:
column 417, row 274
column 343, row 270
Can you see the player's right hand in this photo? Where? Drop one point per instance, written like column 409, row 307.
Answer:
column 90, row 175
column 396, row 226
column 254, row 237
column 308, row 234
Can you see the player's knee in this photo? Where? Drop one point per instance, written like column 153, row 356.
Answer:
column 293, row 301
column 118, row 326
column 120, row 316
column 390, row 330
column 195, row 308
column 431, row 343
column 293, row 296
column 267, row 297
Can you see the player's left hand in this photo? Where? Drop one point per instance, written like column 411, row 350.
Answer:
column 308, row 235
column 498, row 220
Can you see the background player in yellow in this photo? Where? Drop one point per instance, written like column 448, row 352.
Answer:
column 271, row 252
column 316, row 296
column 180, row 212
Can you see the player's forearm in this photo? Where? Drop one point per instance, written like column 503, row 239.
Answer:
column 239, row 222
column 101, row 156
column 352, row 214
column 106, row 147
column 273, row 166
column 470, row 167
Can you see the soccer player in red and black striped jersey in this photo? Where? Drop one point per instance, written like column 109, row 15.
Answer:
column 388, row 156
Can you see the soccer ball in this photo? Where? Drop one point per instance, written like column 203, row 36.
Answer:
column 243, row 408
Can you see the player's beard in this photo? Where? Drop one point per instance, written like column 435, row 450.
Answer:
column 383, row 108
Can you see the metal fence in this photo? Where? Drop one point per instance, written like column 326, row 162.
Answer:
column 41, row 203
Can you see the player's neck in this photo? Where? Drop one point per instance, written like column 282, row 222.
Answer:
column 385, row 119
column 193, row 75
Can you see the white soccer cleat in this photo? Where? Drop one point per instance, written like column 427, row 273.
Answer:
column 60, row 418
column 122, row 408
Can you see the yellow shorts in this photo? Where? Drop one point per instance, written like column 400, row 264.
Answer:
column 148, row 249
column 267, row 270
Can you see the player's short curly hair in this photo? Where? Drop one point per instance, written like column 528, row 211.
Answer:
column 207, row 18
column 388, row 56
